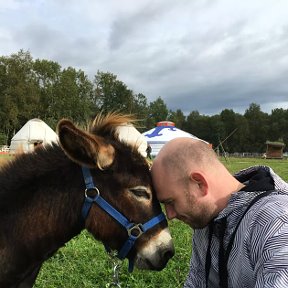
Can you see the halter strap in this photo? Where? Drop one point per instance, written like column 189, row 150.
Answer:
column 134, row 231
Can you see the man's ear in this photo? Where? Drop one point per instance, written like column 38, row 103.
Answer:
column 201, row 182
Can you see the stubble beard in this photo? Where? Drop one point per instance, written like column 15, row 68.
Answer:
column 197, row 217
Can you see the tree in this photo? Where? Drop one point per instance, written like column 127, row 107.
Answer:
column 111, row 94
column 199, row 125
column 217, row 132
column 140, row 110
column 19, row 94
column 228, row 117
column 47, row 74
column 258, row 127
column 158, row 111
column 278, row 125
column 240, row 136
column 41, row 88
column 177, row 117
column 72, row 96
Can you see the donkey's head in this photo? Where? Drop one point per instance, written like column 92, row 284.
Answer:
column 122, row 178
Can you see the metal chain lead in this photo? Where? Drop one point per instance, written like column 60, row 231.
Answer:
column 116, row 264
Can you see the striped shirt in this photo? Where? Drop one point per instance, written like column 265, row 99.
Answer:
column 259, row 256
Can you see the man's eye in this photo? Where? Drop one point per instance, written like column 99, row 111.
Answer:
column 168, row 202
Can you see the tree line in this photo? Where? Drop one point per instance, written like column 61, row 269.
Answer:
column 38, row 88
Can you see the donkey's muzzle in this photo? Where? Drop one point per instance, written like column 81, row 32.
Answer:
column 167, row 254
column 156, row 254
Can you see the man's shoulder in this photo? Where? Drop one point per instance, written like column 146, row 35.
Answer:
column 267, row 218
column 270, row 208
column 259, row 216
column 275, row 203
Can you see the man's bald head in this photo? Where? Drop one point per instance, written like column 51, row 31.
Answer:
column 191, row 182
column 181, row 153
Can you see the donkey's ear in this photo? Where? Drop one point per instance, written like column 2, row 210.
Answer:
column 84, row 148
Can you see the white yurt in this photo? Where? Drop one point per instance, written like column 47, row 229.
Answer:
column 162, row 133
column 34, row 133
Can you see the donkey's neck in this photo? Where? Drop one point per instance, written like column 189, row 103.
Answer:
column 41, row 196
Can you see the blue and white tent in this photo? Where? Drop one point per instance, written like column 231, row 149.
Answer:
column 162, row 133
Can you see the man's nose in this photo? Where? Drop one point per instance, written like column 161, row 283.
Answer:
column 170, row 212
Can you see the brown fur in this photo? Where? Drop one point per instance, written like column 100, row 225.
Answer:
column 41, row 196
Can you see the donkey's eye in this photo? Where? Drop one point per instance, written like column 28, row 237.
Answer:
column 140, row 192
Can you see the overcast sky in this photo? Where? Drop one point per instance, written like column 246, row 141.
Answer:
column 204, row 55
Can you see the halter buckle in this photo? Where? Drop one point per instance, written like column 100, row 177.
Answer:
column 136, row 230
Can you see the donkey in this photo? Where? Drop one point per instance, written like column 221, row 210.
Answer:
column 89, row 180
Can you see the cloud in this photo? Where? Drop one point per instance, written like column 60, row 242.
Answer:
column 197, row 55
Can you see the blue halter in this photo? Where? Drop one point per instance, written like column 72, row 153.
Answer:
column 134, row 230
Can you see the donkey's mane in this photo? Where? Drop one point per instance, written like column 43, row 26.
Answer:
column 106, row 125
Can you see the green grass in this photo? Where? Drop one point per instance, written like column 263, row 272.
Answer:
column 4, row 158
column 83, row 262
column 236, row 164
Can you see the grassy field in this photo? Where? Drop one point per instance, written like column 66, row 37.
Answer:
column 4, row 158
column 83, row 261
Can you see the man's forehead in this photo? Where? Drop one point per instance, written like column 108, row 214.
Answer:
column 163, row 178
column 158, row 169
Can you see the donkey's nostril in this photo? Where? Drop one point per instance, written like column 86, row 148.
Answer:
column 169, row 254
column 166, row 254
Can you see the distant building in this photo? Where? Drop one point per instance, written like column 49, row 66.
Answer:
column 32, row 135
column 274, row 150
column 165, row 131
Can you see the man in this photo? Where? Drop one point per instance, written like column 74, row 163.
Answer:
column 241, row 221
column 149, row 151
